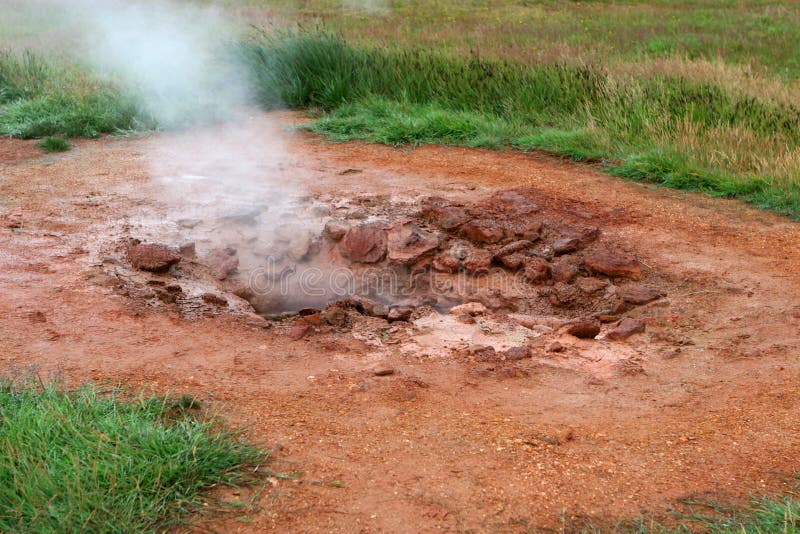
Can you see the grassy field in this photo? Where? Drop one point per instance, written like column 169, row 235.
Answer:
column 84, row 461
column 700, row 95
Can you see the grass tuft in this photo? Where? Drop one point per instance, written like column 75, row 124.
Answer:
column 85, row 461
column 54, row 144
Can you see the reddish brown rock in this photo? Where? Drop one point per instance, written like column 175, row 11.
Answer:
column 407, row 243
column 483, row 231
column 561, row 294
column 447, row 217
column 511, row 248
column 564, row 270
column 526, row 229
column 365, row 243
column 153, row 257
column 334, row 315
column 516, row 353
column 584, row 329
column 382, row 370
column 513, row 262
column 400, row 313
column 299, row 331
column 446, row 263
column 514, row 203
column 222, row 262
column 215, row 300
column 613, row 263
column 638, row 294
column 537, row 270
column 469, row 308
column 625, row 329
column 336, row 230
column 590, row 285
column 478, row 261
column 483, row 353
column 565, row 245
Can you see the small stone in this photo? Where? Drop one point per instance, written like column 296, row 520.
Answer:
column 483, row 231
column 613, row 263
column 516, row 353
column 554, row 346
column 211, row 298
column 483, row 353
column 298, row 332
column 626, row 328
column 565, row 245
column 335, row 316
column 335, row 230
column 400, row 313
column 513, row 247
column 469, row 308
column 369, row 307
column 638, row 294
column 583, row 329
column 478, row 261
column 153, row 257
column 513, row 262
column 446, row 263
column 383, row 370
column 590, row 285
column 448, row 217
column 536, row 269
column 563, row 270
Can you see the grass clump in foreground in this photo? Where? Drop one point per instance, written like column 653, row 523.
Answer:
column 54, row 144
column 659, row 128
column 82, row 461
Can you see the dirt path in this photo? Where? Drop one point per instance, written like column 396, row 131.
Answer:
column 441, row 444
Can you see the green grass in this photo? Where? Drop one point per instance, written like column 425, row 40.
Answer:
column 663, row 129
column 54, row 144
column 40, row 97
column 86, row 461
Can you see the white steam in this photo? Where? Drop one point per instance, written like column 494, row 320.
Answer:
column 175, row 57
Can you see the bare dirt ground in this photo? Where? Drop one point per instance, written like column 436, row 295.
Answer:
column 702, row 405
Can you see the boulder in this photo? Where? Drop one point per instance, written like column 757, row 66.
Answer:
column 365, row 243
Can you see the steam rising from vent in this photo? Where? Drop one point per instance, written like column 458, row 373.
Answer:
column 174, row 57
